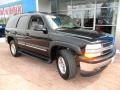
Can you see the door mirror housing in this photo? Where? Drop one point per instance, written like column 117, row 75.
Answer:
column 38, row 27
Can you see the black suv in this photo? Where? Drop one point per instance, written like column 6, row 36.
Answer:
column 58, row 37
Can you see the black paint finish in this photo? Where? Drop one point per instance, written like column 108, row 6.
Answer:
column 41, row 43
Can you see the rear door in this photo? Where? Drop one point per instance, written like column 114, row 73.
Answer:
column 20, row 32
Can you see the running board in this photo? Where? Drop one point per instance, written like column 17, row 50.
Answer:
column 35, row 56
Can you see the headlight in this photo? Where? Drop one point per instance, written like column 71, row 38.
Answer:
column 93, row 50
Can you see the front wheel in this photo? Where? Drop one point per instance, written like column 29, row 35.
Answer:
column 66, row 64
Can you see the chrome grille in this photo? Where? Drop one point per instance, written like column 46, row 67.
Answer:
column 109, row 46
column 106, row 44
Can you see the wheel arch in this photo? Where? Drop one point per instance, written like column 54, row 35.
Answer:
column 9, row 38
column 56, row 45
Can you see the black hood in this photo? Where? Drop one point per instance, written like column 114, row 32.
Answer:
column 80, row 37
column 87, row 34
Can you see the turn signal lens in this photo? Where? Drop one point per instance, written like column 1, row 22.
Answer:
column 91, row 55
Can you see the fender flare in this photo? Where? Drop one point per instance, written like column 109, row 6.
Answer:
column 74, row 47
column 11, row 37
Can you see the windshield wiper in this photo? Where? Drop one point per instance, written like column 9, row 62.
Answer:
column 63, row 27
column 75, row 27
column 68, row 27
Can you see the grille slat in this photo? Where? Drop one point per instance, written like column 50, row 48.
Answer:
column 105, row 45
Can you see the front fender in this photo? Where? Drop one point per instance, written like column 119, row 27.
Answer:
column 75, row 48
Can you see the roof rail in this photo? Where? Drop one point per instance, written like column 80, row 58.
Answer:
column 36, row 12
column 24, row 13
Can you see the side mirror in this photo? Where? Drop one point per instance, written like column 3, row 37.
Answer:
column 40, row 28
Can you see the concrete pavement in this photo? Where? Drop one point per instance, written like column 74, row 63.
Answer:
column 2, row 39
column 26, row 73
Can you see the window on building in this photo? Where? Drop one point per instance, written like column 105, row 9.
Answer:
column 64, row 5
column 79, row 10
column 106, row 15
column 100, row 15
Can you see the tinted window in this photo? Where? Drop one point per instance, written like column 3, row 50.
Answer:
column 23, row 22
column 12, row 22
column 36, row 20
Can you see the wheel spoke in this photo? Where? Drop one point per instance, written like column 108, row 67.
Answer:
column 62, row 65
column 13, row 49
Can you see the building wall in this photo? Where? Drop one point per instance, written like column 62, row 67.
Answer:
column 10, row 7
column 44, row 5
column 28, row 5
column 117, row 35
column 2, row 2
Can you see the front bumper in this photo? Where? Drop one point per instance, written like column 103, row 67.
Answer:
column 88, row 69
column 92, row 67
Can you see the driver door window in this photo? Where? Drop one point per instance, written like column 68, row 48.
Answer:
column 35, row 21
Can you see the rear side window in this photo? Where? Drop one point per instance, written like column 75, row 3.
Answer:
column 12, row 22
column 23, row 22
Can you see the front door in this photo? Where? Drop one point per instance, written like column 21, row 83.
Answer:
column 36, row 40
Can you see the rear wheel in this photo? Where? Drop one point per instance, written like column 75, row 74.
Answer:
column 66, row 64
column 14, row 49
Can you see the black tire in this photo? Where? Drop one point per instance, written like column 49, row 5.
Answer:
column 71, row 67
column 16, row 53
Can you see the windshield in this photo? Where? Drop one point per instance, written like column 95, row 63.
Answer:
column 61, row 22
